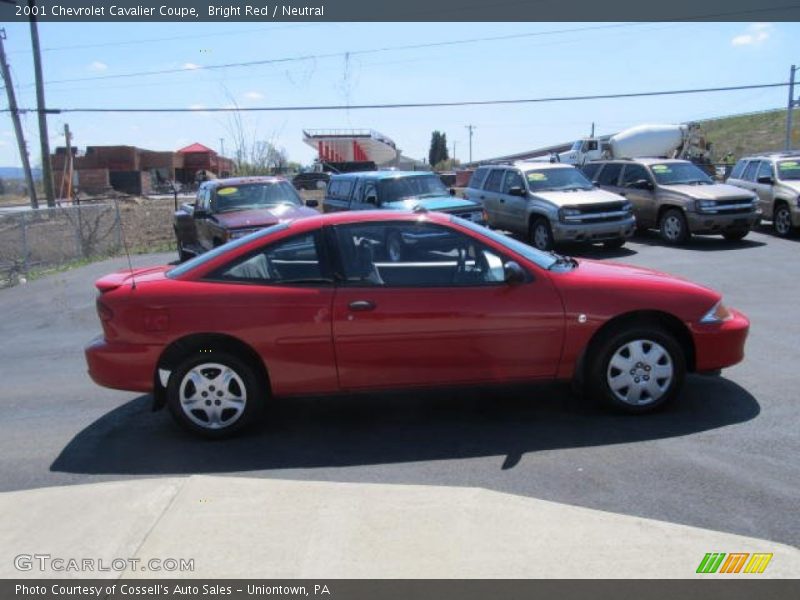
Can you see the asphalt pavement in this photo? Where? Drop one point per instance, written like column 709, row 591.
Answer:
column 725, row 457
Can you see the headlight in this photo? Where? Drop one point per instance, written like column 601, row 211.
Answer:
column 704, row 205
column 627, row 207
column 717, row 314
column 568, row 211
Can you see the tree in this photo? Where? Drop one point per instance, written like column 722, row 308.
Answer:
column 438, row 151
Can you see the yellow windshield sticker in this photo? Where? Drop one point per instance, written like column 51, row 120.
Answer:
column 661, row 168
column 788, row 166
column 227, row 191
column 537, row 177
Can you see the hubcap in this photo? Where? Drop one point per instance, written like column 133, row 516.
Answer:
column 672, row 227
column 782, row 221
column 540, row 237
column 212, row 395
column 640, row 372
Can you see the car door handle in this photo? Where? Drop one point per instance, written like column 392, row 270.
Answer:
column 361, row 305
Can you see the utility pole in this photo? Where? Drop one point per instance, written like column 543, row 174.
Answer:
column 790, row 108
column 470, row 127
column 454, row 152
column 12, row 106
column 66, row 179
column 47, row 175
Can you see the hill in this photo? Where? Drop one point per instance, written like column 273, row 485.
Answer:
column 750, row 133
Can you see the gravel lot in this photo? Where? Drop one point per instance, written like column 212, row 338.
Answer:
column 725, row 457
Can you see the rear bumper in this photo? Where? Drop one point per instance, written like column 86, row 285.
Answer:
column 122, row 366
column 717, row 223
column 593, row 232
column 721, row 345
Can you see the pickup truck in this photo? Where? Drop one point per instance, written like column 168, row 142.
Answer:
column 227, row 209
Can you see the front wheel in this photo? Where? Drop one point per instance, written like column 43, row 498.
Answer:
column 673, row 227
column 541, row 235
column 782, row 220
column 636, row 370
column 214, row 394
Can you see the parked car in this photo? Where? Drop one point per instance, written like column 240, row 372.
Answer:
column 548, row 203
column 227, row 209
column 311, row 180
column 677, row 198
column 775, row 178
column 317, row 306
column 397, row 190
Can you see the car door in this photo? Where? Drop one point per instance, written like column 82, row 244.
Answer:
column 337, row 196
column 202, row 221
column 365, row 196
column 440, row 315
column 278, row 300
column 765, row 190
column 490, row 198
column 637, row 186
column 515, row 207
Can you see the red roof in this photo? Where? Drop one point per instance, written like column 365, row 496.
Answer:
column 196, row 148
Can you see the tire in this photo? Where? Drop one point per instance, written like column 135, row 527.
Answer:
column 614, row 244
column 782, row 220
column 735, row 236
column 541, row 235
column 227, row 407
column 673, row 227
column 394, row 247
column 616, row 378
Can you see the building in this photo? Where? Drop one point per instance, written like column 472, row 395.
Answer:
column 197, row 157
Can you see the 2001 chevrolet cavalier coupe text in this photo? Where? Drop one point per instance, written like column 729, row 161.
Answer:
column 320, row 306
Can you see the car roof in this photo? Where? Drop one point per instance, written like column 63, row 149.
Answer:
column 365, row 216
column 242, row 180
column 528, row 165
column 772, row 156
column 381, row 174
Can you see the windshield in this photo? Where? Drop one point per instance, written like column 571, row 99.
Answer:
column 677, row 173
column 567, row 178
column 543, row 259
column 576, row 146
column 254, row 195
column 418, row 186
column 789, row 170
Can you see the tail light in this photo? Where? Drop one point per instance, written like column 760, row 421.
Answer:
column 103, row 311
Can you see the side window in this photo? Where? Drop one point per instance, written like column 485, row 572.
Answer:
column 494, row 182
column 610, row 174
column 750, row 171
column 591, row 146
column 513, row 179
column 415, row 254
column 590, row 170
column 295, row 260
column 765, row 170
column 370, row 193
column 477, row 179
column 359, row 190
column 634, row 173
column 737, row 171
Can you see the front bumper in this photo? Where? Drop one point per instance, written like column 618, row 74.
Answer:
column 720, row 345
column 719, row 223
column 593, row 232
column 122, row 366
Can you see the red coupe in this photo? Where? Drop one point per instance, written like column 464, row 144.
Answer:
column 320, row 306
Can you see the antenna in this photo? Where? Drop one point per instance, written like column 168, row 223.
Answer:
column 125, row 243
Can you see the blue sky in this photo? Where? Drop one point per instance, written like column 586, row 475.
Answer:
column 632, row 57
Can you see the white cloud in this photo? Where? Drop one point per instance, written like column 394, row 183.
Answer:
column 254, row 96
column 97, row 66
column 757, row 33
column 189, row 66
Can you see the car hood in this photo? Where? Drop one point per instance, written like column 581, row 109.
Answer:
column 263, row 217
column 792, row 185
column 717, row 191
column 436, row 203
column 594, row 196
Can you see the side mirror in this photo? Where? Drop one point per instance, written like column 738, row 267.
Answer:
column 513, row 273
column 516, row 191
column 641, row 184
column 200, row 213
column 452, row 191
column 312, row 203
column 766, row 179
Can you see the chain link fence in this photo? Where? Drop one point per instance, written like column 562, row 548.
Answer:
column 49, row 237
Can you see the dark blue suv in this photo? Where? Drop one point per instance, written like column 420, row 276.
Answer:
column 397, row 190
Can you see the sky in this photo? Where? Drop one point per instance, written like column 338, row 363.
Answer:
column 330, row 67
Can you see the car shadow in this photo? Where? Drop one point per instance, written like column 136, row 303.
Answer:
column 767, row 229
column 394, row 428
column 703, row 243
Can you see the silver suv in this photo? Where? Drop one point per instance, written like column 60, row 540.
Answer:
column 550, row 203
column 775, row 178
column 677, row 198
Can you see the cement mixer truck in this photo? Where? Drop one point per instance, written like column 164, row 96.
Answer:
column 684, row 141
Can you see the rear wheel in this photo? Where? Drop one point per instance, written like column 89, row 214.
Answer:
column 541, row 236
column 782, row 220
column 735, row 236
column 673, row 226
column 636, row 370
column 214, row 394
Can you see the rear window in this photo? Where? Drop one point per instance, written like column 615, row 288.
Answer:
column 738, row 169
column 478, row 177
column 340, row 188
column 590, row 170
column 495, row 181
column 750, row 171
column 610, row 174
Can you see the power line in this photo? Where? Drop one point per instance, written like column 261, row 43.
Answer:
column 410, row 104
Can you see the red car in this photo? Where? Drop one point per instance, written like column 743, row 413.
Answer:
column 319, row 306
